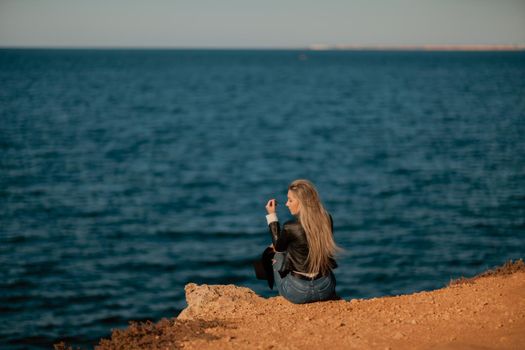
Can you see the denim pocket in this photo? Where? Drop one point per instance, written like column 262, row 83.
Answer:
column 294, row 292
column 326, row 287
column 299, row 284
column 324, row 283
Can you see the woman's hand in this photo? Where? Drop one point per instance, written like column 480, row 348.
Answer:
column 270, row 206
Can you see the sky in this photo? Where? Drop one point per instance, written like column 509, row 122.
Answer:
column 261, row 23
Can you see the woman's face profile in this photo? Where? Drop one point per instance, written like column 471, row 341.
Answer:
column 292, row 203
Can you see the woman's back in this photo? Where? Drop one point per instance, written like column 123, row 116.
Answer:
column 304, row 247
column 293, row 240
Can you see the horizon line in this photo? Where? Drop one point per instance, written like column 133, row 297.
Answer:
column 313, row 47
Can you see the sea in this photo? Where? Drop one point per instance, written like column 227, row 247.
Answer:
column 127, row 173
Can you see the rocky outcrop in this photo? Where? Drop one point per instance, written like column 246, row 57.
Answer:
column 212, row 301
column 487, row 312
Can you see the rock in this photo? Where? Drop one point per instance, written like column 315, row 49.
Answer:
column 212, row 301
column 398, row 335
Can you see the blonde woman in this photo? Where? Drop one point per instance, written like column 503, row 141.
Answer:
column 304, row 247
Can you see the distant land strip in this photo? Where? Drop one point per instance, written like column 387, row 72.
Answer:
column 320, row 47
column 313, row 47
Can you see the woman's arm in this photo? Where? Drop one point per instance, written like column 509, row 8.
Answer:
column 279, row 237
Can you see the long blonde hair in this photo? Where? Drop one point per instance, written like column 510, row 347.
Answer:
column 316, row 223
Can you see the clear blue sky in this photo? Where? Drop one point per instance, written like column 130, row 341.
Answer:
column 261, row 23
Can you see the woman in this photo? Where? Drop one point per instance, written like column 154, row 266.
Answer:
column 304, row 247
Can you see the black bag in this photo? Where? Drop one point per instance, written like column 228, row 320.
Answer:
column 263, row 267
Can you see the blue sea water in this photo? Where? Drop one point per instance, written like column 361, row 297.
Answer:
column 125, row 174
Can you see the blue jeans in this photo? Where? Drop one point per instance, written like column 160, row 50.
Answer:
column 300, row 291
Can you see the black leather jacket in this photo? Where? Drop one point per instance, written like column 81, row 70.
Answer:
column 292, row 240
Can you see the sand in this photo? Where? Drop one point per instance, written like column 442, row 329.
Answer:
column 485, row 312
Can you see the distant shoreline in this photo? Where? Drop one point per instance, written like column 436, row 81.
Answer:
column 419, row 47
column 314, row 47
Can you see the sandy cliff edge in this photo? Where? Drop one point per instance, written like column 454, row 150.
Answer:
column 485, row 312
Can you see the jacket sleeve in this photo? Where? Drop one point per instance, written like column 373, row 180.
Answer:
column 280, row 237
